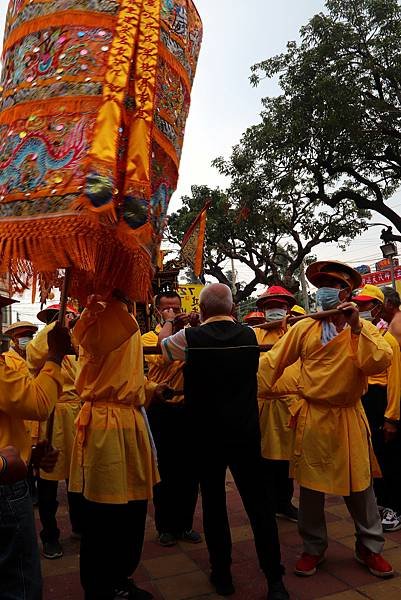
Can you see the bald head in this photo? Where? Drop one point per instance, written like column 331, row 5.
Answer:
column 216, row 300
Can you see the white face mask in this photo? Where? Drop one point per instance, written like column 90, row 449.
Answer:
column 275, row 314
column 366, row 314
column 23, row 342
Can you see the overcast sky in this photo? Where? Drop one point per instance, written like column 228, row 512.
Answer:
column 238, row 34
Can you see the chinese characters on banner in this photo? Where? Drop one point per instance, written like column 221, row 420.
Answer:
column 190, row 296
column 381, row 277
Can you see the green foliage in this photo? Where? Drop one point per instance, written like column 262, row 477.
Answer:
column 336, row 127
column 268, row 232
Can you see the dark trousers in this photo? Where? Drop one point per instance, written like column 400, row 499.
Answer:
column 245, row 464
column 48, row 504
column 281, row 487
column 176, row 495
column 111, row 546
column 388, row 488
column 20, row 575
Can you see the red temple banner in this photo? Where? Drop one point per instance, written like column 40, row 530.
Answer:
column 94, row 98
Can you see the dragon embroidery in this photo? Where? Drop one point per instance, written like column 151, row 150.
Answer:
column 33, row 157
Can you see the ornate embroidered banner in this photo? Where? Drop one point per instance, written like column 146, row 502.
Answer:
column 94, row 97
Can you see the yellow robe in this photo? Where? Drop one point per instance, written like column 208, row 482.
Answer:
column 23, row 398
column 162, row 371
column 274, row 405
column 332, row 451
column 16, row 362
column 67, row 407
column 112, row 460
column 391, row 378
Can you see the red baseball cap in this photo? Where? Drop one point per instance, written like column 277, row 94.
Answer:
column 277, row 293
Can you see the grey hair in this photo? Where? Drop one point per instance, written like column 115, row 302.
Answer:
column 216, row 299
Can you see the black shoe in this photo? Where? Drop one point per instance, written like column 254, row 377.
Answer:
column 277, row 591
column 132, row 592
column 289, row 512
column 52, row 550
column 191, row 536
column 223, row 583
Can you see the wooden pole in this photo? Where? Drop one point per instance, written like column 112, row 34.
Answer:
column 148, row 350
column 60, row 321
column 318, row 316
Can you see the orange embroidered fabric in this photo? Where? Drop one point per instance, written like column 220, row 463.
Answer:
column 94, row 97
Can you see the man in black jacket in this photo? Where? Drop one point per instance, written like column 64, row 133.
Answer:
column 221, row 362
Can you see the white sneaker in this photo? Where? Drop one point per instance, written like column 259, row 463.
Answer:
column 390, row 520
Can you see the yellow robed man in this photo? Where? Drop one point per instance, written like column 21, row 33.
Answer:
column 382, row 406
column 176, row 495
column 64, row 430
column 112, row 464
column 274, row 414
column 332, row 451
column 22, row 397
column 21, row 334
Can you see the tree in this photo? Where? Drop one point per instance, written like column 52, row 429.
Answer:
column 270, row 230
column 336, row 127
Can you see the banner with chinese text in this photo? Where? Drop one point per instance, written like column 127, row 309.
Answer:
column 190, row 296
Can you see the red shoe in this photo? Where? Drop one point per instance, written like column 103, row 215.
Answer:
column 376, row 564
column 307, row 564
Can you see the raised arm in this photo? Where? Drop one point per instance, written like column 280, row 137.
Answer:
column 284, row 353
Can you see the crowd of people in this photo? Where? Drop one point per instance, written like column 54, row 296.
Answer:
column 125, row 419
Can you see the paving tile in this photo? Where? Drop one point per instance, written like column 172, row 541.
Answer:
column 151, row 549
column 66, row 564
column 63, row 587
column 394, row 537
column 246, row 548
column 348, row 595
column 292, row 539
column 284, row 526
column 244, row 532
column 185, row 586
column 200, row 556
column 187, row 546
column 333, row 500
column 310, row 588
column 167, row 566
column 340, row 510
column 383, row 590
column 181, row 572
column 340, row 529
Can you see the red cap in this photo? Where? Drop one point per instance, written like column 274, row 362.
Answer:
column 56, row 307
column 277, row 293
column 255, row 316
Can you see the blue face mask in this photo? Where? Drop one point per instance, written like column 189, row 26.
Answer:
column 275, row 314
column 366, row 314
column 328, row 298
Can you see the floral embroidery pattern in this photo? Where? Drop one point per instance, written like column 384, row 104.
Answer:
column 56, row 53
column 21, row 11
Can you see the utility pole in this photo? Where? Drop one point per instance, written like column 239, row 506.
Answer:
column 233, row 278
column 392, row 273
column 389, row 250
column 304, row 287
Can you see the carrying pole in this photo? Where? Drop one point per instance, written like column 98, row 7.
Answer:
column 60, row 321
